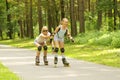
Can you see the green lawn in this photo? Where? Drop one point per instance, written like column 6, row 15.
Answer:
column 6, row 74
column 97, row 54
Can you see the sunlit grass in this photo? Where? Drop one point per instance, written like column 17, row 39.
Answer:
column 21, row 43
column 5, row 74
column 97, row 54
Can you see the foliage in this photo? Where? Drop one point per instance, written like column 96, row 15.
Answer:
column 103, row 6
column 20, row 10
column 2, row 15
column 100, row 38
column 115, row 39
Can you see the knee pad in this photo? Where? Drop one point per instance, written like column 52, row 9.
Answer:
column 62, row 50
column 52, row 48
column 45, row 47
column 39, row 48
column 56, row 50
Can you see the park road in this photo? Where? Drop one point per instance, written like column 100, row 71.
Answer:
column 21, row 62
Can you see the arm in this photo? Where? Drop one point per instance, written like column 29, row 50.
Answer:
column 69, row 36
column 45, row 36
column 56, row 30
column 52, row 35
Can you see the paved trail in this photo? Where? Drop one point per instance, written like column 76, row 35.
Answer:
column 21, row 62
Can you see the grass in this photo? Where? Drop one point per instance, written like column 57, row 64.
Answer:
column 21, row 43
column 98, row 54
column 6, row 74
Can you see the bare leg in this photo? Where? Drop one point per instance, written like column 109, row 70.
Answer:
column 62, row 49
column 37, row 54
column 62, row 53
column 45, row 55
column 56, row 52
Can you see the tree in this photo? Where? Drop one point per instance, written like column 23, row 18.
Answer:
column 2, row 18
column 10, row 27
column 26, row 18
column 31, row 22
column 49, row 14
column 73, row 20
column 81, row 16
column 115, row 13
column 20, row 22
column 55, row 14
column 62, row 4
column 40, row 22
column 1, row 33
column 99, row 20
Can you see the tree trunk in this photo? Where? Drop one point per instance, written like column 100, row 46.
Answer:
column 81, row 16
column 56, row 13
column 99, row 19
column 21, row 28
column 115, row 13
column 62, row 8
column 72, row 16
column 119, row 18
column 26, row 18
column 49, row 13
column 21, row 34
column 110, row 20
column 40, row 16
column 89, row 5
column 10, row 28
column 31, row 22
column 1, row 34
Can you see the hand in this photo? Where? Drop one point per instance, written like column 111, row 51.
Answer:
column 51, row 41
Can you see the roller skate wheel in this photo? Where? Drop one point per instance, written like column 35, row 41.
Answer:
column 66, row 65
column 37, row 64
column 55, row 65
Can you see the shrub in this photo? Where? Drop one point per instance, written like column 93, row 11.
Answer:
column 105, row 40
column 115, row 42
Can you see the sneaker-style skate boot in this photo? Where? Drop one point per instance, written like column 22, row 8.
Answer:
column 55, row 61
column 37, row 60
column 66, row 64
column 45, row 60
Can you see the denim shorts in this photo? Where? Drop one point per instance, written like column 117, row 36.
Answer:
column 56, row 38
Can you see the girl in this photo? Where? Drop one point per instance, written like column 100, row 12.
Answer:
column 40, row 42
column 58, row 42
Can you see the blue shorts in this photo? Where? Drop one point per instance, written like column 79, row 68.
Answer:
column 56, row 38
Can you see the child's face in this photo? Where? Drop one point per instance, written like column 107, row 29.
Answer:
column 65, row 23
column 45, row 31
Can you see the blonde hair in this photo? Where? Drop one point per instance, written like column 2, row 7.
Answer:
column 64, row 19
column 44, row 28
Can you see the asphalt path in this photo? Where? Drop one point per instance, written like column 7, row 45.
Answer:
column 22, row 62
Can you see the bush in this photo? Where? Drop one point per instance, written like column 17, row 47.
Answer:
column 115, row 42
column 84, row 38
column 105, row 40
column 99, row 38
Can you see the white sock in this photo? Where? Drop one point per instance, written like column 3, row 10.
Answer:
column 63, row 55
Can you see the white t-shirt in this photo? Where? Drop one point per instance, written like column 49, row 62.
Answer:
column 40, row 39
